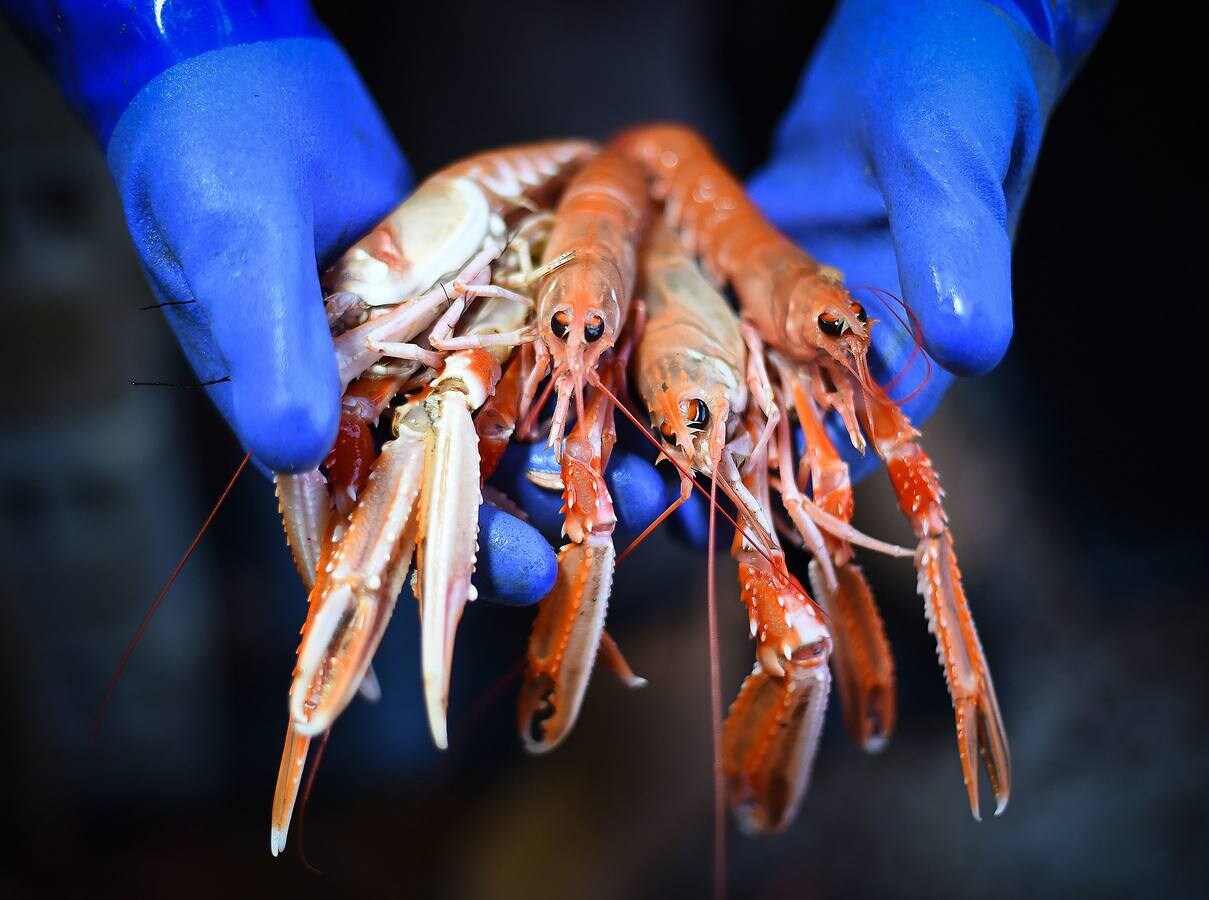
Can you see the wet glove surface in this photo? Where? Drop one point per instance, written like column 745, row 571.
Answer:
column 904, row 161
column 248, row 153
column 242, row 170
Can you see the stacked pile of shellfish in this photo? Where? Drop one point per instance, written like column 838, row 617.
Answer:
column 498, row 303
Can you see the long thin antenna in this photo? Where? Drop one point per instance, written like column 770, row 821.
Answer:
column 915, row 328
column 159, row 598
column 306, row 800
column 715, row 707
column 650, row 529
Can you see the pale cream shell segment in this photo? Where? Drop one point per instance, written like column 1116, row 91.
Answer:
column 435, row 231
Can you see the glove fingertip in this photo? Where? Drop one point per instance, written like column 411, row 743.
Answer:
column 954, row 264
column 516, row 565
column 963, row 302
column 639, row 492
column 288, row 426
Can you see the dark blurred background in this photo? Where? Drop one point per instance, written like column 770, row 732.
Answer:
column 1077, row 509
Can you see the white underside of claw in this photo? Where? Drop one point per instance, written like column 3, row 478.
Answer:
column 355, row 598
column 449, row 534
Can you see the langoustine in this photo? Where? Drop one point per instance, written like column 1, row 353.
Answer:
column 419, row 495
column 583, row 299
column 819, row 335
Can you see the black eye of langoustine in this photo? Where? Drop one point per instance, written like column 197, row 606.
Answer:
column 560, row 324
column 594, row 329
column 861, row 315
column 698, row 415
column 831, row 325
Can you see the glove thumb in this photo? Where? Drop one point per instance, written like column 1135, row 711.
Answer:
column 253, row 273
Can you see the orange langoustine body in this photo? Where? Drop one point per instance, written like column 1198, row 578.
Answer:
column 583, row 299
column 587, row 277
column 693, row 372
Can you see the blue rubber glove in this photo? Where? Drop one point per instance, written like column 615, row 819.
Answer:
column 247, row 153
column 904, row 161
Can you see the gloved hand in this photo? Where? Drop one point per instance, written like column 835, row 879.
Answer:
column 904, row 161
column 248, row 153
column 278, row 158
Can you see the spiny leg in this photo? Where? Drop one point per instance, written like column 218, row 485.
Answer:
column 863, row 661
column 442, row 337
column 760, row 386
column 979, row 723
column 355, row 348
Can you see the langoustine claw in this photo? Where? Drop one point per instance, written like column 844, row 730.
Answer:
column 312, row 509
column 565, row 641
column 770, row 739
column 980, row 729
column 355, row 593
column 771, row 734
column 449, row 520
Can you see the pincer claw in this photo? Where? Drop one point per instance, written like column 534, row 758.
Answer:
column 564, row 644
column 770, row 739
column 448, row 524
column 355, row 593
column 980, row 729
column 862, row 661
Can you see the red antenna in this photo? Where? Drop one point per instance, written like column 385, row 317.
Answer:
column 306, row 800
column 915, row 328
column 159, row 598
column 715, row 707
